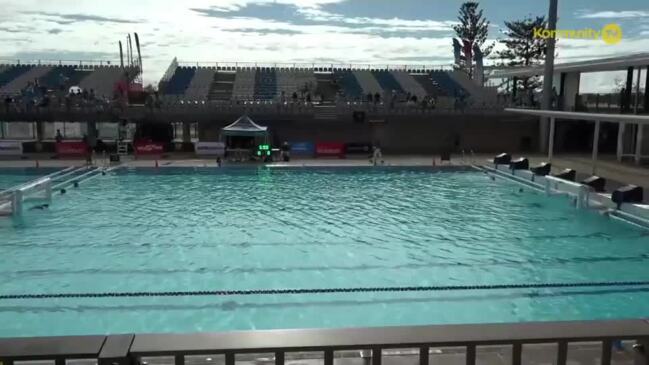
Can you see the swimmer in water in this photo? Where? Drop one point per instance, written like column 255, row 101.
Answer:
column 40, row 207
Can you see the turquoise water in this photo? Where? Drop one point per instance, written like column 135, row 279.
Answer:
column 202, row 229
column 10, row 177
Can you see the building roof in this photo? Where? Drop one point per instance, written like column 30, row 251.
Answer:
column 602, row 117
column 597, row 65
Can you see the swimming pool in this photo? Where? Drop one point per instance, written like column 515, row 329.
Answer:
column 261, row 228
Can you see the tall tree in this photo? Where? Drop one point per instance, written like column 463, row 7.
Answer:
column 523, row 49
column 472, row 33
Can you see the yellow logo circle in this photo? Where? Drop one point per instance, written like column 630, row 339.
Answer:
column 612, row 33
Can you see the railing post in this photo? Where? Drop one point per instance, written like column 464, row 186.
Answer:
column 179, row 360
column 279, row 358
column 329, row 357
column 424, row 357
column 517, row 352
column 606, row 352
column 562, row 353
column 229, row 358
column 377, row 355
column 470, row 354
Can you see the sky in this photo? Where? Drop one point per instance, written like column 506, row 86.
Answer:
column 293, row 31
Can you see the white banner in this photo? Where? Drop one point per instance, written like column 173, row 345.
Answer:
column 11, row 148
column 209, row 148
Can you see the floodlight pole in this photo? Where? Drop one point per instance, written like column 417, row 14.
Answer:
column 548, row 75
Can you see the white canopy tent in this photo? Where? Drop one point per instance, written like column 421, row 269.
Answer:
column 244, row 126
column 621, row 119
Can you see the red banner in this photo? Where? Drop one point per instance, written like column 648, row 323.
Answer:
column 71, row 148
column 148, row 148
column 330, row 149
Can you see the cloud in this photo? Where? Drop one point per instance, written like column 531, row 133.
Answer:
column 612, row 14
column 55, row 31
column 264, row 31
column 66, row 19
column 57, row 54
column 295, row 15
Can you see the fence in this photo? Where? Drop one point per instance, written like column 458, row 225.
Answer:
column 130, row 349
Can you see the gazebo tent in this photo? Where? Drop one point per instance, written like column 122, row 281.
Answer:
column 244, row 135
column 245, row 127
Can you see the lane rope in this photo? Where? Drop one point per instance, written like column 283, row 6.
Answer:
column 324, row 290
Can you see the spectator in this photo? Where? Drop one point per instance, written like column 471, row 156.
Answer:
column 294, row 97
column 377, row 98
column 369, row 97
column 59, row 136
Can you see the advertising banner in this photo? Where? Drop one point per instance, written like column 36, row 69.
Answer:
column 11, row 148
column 302, row 148
column 330, row 149
column 209, row 148
column 71, row 148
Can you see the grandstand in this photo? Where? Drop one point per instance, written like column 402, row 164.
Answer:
column 266, row 83
column 16, row 77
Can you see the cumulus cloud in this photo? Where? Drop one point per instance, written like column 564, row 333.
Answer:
column 613, row 14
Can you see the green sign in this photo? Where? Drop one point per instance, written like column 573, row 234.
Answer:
column 263, row 149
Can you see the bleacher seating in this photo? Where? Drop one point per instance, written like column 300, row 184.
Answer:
column 102, row 81
column 222, row 86
column 12, row 72
column 180, row 80
column 387, row 81
column 199, row 87
column 410, row 85
column 368, row 82
column 244, row 84
column 265, row 84
column 349, row 85
column 63, row 76
column 17, row 84
column 478, row 93
column 447, row 84
column 294, row 80
column 428, row 84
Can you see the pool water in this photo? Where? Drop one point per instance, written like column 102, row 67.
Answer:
column 10, row 177
column 262, row 228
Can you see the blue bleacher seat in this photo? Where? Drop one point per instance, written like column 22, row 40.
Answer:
column 447, row 84
column 349, row 84
column 9, row 74
column 56, row 75
column 387, row 80
column 180, row 80
column 265, row 84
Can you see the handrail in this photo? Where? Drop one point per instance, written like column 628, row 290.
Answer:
column 129, row 348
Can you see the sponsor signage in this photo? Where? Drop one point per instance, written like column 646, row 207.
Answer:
column 302, row 148
column 11, row 148
column 209, row 148
column 148, row 148
column 71, row 148
column 330, row 149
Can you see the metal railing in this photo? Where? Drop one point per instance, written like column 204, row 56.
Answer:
column 130, row 349
column 318, row 66
column 45, row 62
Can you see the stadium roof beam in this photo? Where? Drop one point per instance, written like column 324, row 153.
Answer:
column 598, row 65
column 621, row 119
